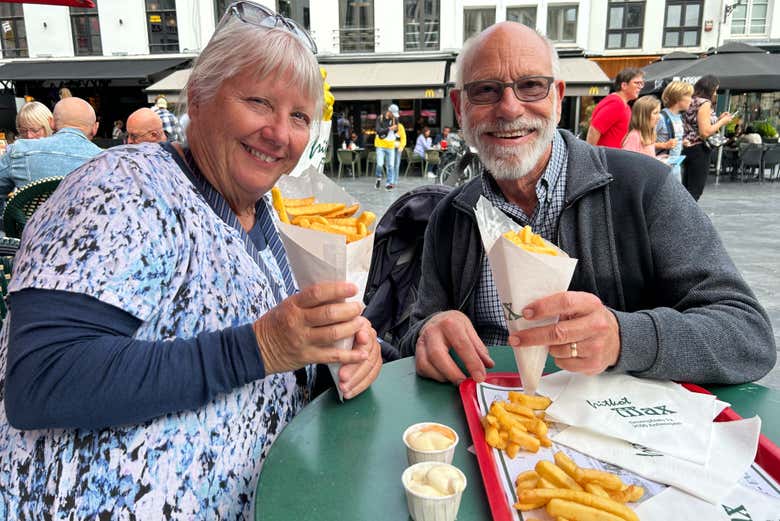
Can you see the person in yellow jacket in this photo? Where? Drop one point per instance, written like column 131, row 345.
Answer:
column 384, row 144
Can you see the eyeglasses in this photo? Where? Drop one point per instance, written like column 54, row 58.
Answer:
column 638, row 83
column 138, row 137
column 526, row 88
column 251, row 13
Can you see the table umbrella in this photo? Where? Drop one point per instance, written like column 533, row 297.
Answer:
column 69, row 3
column 658, row 72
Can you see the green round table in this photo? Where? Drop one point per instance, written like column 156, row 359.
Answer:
column 343, row 461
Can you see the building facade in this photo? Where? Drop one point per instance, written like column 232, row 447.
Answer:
column 375, row 51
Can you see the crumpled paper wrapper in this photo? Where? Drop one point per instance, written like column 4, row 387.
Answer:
column 322, row 257
column 521, row 277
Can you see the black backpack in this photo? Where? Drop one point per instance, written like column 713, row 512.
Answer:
column 396, row 264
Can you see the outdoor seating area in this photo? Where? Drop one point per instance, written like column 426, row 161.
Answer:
column 752, row 162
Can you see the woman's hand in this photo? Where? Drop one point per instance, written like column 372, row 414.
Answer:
column 303, row 328
column 725, row 116
column 355, row 378
column 670, row 144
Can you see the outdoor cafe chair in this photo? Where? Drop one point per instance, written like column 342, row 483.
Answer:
column 750, row 158
column 370, row 160
column 328, row 160
column 432, row 158
column 23, row 202
column 351, row 158
column 412, row 159
column 771, row 161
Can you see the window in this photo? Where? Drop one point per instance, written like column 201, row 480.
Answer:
column 562, row 23
column 477, row 20
column 163, row 30
column 624, row 24
column 421, row 25
column 86, row 31
column 220, row 6
column 356, row 22
column 523, row 15
column 297, row 10
column 14, row 33
column 749, row 17
column 682, row 25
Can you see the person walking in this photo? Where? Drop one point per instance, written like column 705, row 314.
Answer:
column 669, row 131
column 700, row 122
column 609, row 122
column 384, row 144
column 400, row 145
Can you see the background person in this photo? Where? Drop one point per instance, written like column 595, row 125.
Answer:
column 28, row 160
column 610, row 118
column 34, row 121
column 641, row 130
column 170, row 122
column 158, row 344
column 422, row 145
column 400, row 145
column 384, row 145
column 145, row 126
column 645, row 299
column 700, row 122
column 669, row 132
column 118, row 133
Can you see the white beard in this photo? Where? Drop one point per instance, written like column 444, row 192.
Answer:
column 515, row 162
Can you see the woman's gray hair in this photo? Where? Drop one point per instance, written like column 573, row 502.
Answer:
column 35, row 113
column 237, row 46
column 470, row 44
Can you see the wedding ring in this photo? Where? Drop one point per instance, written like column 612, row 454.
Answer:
column 573, row 347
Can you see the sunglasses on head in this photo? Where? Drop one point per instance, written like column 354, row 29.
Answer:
column 261, row 16
column 526, row 88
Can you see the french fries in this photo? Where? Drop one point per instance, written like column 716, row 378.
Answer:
column 514, row 425
column 530, row 241
column 571, row 492
column 335, row 218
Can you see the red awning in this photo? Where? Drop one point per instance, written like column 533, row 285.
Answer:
column 69, row 3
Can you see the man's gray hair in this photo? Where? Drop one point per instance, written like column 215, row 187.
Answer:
column 237, row 46
column 470, row 44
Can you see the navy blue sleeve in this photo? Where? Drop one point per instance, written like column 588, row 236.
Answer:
column 72, row 363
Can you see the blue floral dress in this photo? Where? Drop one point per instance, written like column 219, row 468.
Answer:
column 130, row 229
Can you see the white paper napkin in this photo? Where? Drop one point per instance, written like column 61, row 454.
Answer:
column 640, row 411
column 521, row 277
column 323, row 257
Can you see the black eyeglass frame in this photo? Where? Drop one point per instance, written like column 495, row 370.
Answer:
column 503, row 85
column 238, row 9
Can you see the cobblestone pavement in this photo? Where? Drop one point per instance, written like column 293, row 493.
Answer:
column 747, row 215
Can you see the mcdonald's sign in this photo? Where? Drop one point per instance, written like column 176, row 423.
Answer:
column 429, row 93
column 593, row 91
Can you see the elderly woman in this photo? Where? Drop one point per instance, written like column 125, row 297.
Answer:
column 157, row 345
column 34, row 121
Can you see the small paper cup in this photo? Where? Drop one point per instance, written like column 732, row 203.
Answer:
column 416, row 456
column 424, row 508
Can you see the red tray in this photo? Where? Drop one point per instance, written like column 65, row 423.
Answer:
column 767, row 455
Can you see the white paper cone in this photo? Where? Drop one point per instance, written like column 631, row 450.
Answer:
column 314, row 154
column 322, row 257
column 521, row 277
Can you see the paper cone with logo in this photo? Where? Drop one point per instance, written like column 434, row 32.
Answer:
column 317, row 256
column 521, row 277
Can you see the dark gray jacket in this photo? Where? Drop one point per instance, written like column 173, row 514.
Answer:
column 645, row 249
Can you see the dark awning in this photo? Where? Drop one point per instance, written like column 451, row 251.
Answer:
column 86, row 69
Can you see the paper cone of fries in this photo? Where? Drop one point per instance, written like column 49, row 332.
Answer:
column 318, row 256
column 522, row 277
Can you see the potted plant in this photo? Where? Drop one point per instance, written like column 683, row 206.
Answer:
column 766, row 130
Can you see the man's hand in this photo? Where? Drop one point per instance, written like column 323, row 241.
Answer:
column 584, row 321
column 450, row 329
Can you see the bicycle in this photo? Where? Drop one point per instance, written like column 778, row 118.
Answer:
column 458, row 165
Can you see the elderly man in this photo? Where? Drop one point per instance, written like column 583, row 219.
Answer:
column 145, row 126
column 610, row 119
column 27, row 160
column 654, row 293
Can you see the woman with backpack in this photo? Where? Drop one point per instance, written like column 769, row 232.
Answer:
column 669, row 132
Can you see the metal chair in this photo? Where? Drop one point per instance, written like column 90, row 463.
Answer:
column 351, row 158
column 23, row 202
column 412, row 159
column 328, row 161
column 750, row 158
column 432, row 158
column 370, row 160
column 771, row 161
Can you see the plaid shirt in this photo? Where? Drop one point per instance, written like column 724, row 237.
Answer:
column 170, row 124
column 489, row 319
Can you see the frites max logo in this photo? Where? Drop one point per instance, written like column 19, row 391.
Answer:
column 623, row 407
